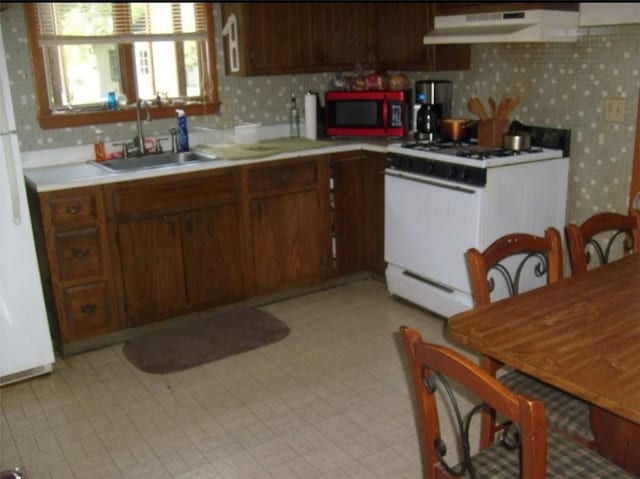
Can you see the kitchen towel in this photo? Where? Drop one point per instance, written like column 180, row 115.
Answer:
column 310, row 115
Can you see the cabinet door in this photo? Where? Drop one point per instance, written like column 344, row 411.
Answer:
column 286, row 246
column 358, row 226
column 152, row 269
column 348, row 220
column 342, row 34
column 299, row 37
column 279, row 36
column 213, row 256
column 400, row 28
column 399, row 31
column 373, row 165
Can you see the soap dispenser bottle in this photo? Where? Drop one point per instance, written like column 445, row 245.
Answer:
column 182, row 133
column 98, row 147
column 294, row 118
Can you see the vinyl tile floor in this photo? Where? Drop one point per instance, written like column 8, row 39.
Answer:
column 331, row 400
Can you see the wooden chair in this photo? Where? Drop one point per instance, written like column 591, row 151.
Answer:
column 582, row 241
column 565, row 412
column 527, row 449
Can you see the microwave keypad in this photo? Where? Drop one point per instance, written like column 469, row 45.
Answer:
column 395, row 114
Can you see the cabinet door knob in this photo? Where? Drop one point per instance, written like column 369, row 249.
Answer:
column 79, row 252
column 73, row 209
column 88, row 308
column 285, row 176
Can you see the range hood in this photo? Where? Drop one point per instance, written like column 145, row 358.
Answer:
column 505, row 27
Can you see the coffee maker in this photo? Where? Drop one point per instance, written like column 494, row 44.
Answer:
column 432, row 103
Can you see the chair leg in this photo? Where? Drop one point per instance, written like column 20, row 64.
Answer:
column 488, row 416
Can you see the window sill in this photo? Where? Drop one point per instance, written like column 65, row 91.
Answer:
column 70, row 119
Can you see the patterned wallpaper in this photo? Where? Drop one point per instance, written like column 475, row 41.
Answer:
column 560, row 85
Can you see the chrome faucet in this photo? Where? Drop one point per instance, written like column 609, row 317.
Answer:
column 141, row 148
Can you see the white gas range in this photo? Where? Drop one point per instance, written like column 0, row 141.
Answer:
column 442, row 199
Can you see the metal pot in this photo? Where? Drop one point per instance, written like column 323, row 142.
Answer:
column 454, row 129
column 516, row 140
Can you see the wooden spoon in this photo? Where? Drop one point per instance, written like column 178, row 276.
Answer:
column 513, row 104
column 492, row 105
column 478, row 108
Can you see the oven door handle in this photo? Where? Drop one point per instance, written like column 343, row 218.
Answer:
column 428, row 182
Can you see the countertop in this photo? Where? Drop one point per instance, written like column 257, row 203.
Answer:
column 86, row 173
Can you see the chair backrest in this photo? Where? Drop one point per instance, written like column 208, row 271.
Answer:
column 599, row 236
column 430, row 367
column 542, row 253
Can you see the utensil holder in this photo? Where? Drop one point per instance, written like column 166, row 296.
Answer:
column 490, row 132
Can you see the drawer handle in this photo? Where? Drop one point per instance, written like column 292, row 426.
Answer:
column 285, row 176
column 88, row 308
column 74, row 209
column 80, row 252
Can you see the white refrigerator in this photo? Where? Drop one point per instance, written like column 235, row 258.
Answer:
column 25, row 341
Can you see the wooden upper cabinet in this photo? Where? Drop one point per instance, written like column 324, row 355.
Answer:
column 635, row 172
column 305, row 37
column 276, row 36
column 299, row 37
column 342, row 34
column 461, row 8
column 400, row 29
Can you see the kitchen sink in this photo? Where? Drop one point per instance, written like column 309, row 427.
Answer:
column 156, row 160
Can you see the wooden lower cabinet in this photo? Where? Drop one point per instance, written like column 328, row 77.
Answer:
column 373, row 211
column 153, row 280
column 358, row 212
column 289, row 223
column 123, row 255
column 178, row 244
column 72, row 246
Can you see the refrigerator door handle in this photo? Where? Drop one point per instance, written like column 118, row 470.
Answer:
column 13, row 181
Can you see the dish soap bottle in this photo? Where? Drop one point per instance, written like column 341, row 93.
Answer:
column 182, row 133
column 294, row 118
column 98, row 147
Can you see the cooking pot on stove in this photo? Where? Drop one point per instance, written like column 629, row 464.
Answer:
column 454, row 129
column 516, row 140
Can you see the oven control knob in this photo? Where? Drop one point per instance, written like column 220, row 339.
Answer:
column 461, row 173
column 452, row 171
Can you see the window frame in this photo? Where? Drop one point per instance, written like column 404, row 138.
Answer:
column 49, row 120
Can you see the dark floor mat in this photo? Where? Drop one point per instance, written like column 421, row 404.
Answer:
column 207, row 338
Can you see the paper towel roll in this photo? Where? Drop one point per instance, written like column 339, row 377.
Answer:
column 310, row 115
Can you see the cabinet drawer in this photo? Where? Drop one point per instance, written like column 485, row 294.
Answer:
column 166, row 198
column 299, row 175
column 86, row 311
column 79, row 254
column 71, row 208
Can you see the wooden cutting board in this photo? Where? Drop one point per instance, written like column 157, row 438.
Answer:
column 263, row 149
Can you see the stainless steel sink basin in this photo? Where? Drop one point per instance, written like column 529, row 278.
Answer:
column 157, row 160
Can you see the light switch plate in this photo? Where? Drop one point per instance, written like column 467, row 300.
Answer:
column 614, row 109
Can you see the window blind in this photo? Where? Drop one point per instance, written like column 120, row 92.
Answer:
column 93, row 23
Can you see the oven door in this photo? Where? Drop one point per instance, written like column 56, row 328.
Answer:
column 429, row 225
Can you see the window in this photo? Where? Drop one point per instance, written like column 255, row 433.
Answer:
column 163, row 52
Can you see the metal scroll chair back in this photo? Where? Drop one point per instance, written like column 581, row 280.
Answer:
column 523, row 445
column 508, row 258
column 602, row 238
column 527, row 449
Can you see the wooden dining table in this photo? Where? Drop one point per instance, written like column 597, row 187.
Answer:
column 582, row 335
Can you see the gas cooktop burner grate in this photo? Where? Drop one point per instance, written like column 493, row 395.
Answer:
column 433, row 146
column 494, row 153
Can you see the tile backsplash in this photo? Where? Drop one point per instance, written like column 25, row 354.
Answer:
column 562, row 85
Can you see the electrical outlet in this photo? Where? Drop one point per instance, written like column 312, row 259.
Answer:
column 614, row 109
column 227, row 105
